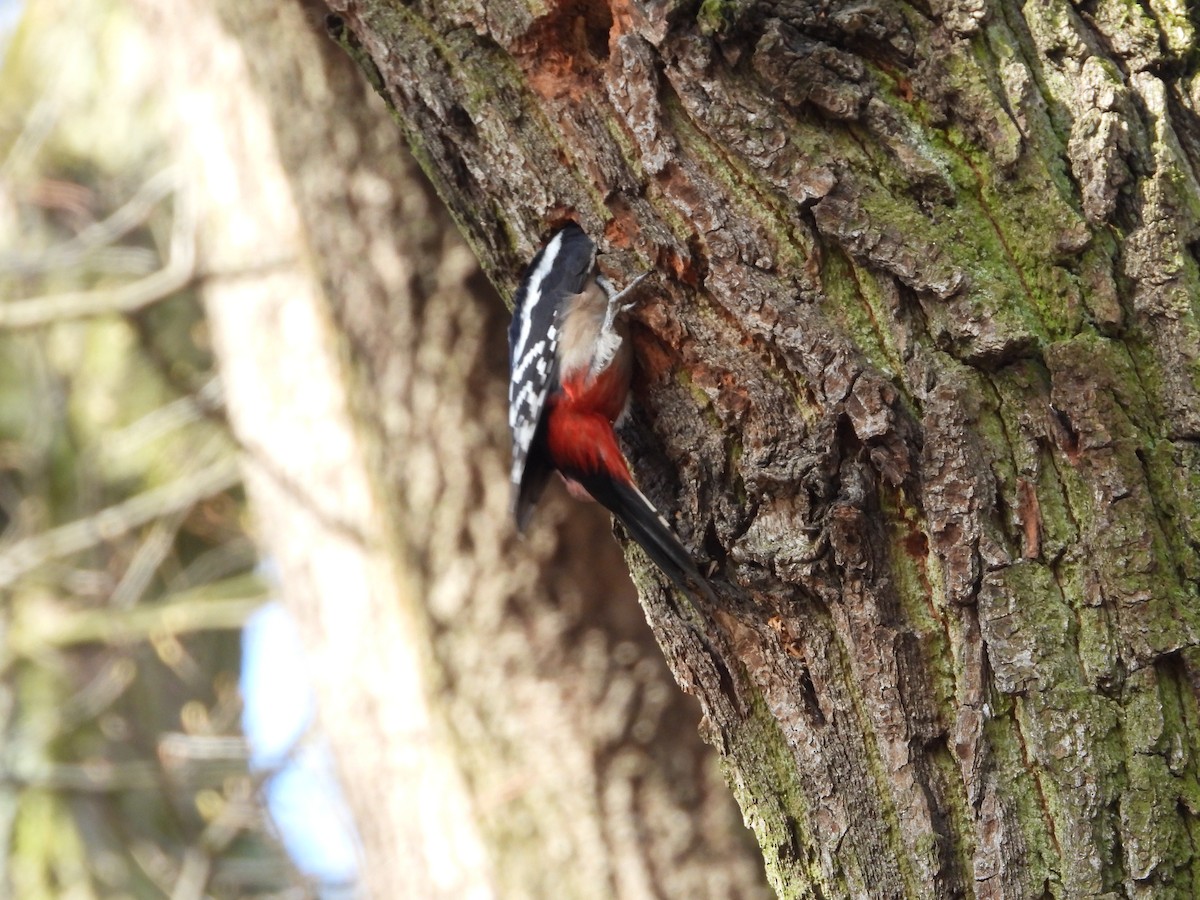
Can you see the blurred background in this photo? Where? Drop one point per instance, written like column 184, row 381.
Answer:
column 134, row 601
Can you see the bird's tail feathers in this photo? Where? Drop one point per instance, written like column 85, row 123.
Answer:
column 650, row 530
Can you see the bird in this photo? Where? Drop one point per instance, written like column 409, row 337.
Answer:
column 570, row 369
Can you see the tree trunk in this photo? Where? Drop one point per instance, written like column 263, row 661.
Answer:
column 920, row 374
column 365, row 372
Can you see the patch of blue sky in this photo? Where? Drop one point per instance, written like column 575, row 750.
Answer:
column 10, row 14
column 302, row 793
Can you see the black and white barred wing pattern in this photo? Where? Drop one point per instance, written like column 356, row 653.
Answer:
column 560, row 269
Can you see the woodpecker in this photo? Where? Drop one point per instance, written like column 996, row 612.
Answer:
column 570, row 366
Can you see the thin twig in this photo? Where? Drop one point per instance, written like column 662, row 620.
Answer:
column 101, row 692
column 98, row 778
column 98, row 234
column 193, row 876
column 124, row 442
column 149, row 555
column 37, row 312
column 39, row 122
column 26, row 555
column 235, row 816
column 224, row 606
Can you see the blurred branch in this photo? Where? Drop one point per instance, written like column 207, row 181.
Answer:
column 164, row 420
column 202, row 760
column 97, row 235
column 235, row 555
column 100, row 693
column 222, row 606
column 193, row 875
column 100, row 776
column 179, row 270
column 236, row 814
column 146, row 560
column 26, row 555
column 37, row 127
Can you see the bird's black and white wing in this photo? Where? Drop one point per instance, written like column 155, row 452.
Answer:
column 561, row 269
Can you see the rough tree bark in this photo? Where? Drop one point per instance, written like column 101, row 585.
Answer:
column 920, row 376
